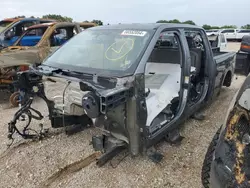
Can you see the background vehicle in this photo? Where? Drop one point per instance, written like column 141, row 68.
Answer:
column 235, row 34
column 136, row 82
column 218, row 42
column 226, row 163
column 10, row 33
column 86, row 25
column 243, row 57
column 6, row 22
column 35, row 44
column 212, row 32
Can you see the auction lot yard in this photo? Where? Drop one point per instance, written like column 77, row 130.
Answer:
column 30, row 163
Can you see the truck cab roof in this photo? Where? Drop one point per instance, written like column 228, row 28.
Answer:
column 146, row 26
column 25, row 19
column 59, row 24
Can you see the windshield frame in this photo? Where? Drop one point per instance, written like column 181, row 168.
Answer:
column 102, row 72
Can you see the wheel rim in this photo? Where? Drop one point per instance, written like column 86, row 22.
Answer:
column 14, row 99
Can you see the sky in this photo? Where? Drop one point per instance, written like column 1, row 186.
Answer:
column 213, row 12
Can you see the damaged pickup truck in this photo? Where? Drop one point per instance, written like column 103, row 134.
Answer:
column 128, row 81
column 11, row 29
column 31, row 48
column 226, row 163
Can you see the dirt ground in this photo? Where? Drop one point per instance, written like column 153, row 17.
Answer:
column 233, row 46
column 29, row 164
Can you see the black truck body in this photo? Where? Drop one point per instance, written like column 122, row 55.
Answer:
column 136, row 82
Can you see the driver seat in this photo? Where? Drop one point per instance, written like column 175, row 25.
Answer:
column 195, row 54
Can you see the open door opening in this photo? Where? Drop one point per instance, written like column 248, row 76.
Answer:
column 198, row 66
column 163, row 80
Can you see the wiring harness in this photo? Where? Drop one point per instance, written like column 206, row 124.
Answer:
column 31, row 85
column 28, row 111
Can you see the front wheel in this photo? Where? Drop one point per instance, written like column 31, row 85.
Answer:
column 206, row 167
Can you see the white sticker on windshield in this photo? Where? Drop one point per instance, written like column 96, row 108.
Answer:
column 134, row 33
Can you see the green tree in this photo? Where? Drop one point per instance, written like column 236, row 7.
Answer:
column 168, row 21
column 174, row 21
column 162, row 21
column 98, row 22
column 229, row 27
column 206, row 27
column 59, row 18
column 245, row 26
column 189, row 22
column 215, row 27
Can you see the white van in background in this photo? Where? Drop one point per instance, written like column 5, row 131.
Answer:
column 242, row 33
column 235, row 34
column 212, row 32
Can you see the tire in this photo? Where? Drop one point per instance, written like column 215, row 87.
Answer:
column 205, row 172
column 14, row 99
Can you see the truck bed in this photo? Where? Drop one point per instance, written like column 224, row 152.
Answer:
column 223, row 56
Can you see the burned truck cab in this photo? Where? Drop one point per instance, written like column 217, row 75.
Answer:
column 227, row 159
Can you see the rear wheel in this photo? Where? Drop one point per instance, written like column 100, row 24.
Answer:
column 206, row 167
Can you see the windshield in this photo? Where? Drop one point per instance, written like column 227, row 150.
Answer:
column 102, row 51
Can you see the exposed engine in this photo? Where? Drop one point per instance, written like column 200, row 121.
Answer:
column 104, row 101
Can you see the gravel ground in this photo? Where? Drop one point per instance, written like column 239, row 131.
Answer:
column 233, row 46
column 30, row 163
